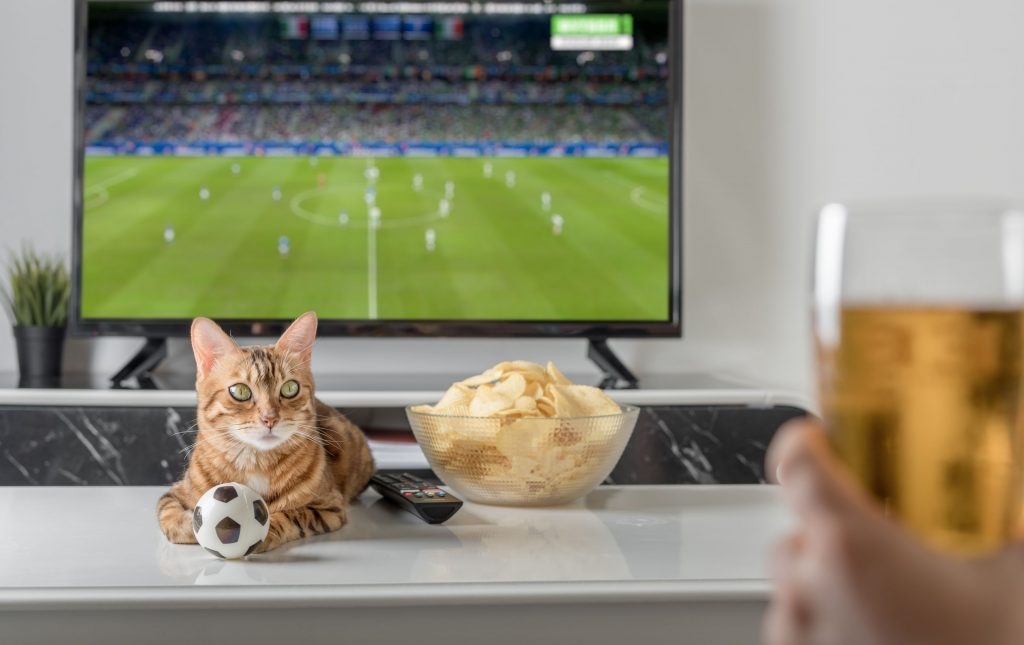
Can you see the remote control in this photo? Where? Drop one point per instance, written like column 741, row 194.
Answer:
column 412, row 493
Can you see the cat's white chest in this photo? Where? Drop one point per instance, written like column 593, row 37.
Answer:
column 258, row 483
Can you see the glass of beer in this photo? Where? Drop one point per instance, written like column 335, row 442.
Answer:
column 918, row 329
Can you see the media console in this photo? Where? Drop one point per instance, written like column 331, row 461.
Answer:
column 661, row 561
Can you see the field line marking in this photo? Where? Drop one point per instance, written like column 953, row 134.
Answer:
column 371, row 267
column 296, row 208
column 637, row 197
column 100, row 188
column 124, row 175
column 101, row 198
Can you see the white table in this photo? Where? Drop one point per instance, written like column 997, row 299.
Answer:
column 643, row 564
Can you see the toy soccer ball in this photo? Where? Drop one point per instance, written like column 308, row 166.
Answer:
column 230, row 520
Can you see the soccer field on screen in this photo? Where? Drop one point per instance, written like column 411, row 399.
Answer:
column 276, row 236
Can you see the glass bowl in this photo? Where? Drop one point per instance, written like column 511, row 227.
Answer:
column 531, row 461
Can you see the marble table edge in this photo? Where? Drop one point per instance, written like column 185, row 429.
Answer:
column 505, row 593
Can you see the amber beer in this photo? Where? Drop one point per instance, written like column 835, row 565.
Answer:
column 922, row 403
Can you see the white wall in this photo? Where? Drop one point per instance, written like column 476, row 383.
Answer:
column 789, row 104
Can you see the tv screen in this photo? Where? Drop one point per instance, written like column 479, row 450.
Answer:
column 398, row 167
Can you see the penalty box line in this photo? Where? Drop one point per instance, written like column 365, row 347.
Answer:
column 371, row 268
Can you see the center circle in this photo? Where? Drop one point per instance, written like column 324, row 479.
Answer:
column 297, row 209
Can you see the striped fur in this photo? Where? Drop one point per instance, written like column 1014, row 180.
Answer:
column 316, row 460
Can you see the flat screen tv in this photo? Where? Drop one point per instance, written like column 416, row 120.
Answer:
column 402, row 168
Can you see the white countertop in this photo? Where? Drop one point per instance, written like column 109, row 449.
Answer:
column 81, row 547
column 392, row 390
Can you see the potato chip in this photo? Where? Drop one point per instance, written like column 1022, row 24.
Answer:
column 521, row 438
column 546, row 407
column 457, row 395
column 487, row 401
column 556, row 375
column 566, row 435
column 488, row 376
column 534, row 390
column 564, row 404
column 526, row 403
column 531, row 371
column 582, row 401
column 511, row 386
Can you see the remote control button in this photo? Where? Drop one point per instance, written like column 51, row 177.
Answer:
column 408, row 493
column 441, row 493
column 419, row 494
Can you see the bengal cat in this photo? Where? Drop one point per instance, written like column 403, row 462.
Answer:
column 260, row 425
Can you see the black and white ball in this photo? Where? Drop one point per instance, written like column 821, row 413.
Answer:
column 230, row 520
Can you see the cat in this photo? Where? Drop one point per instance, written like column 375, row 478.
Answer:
column 260, row 425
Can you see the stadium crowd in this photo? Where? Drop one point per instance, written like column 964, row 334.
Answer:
column 491, row 92
column 383, row 123
column 239, row 80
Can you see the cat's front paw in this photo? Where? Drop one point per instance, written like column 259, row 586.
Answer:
column 269, row 543
column 181, row 537
column 277, row 533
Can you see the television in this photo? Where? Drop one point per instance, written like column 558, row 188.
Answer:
column 410, row 168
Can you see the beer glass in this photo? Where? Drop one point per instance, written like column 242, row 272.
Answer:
column 918, row 329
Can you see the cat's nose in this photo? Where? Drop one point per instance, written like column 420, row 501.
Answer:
column 269, row 421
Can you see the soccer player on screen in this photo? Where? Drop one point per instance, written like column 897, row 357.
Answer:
column 556, row 224
column 443, row 208
column 276, row 193
column 417, row 182
column 545, row 200
column 343, row 218
column 283, row 246
column 430, row 238
column 168, row 234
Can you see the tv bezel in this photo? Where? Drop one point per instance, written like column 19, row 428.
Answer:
column 179, row 327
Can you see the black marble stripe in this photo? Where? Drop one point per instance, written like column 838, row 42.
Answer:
column 149, row 446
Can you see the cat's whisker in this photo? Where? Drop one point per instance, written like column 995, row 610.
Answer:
column 190, row 429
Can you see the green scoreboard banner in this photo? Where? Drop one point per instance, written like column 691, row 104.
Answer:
column 595, row 31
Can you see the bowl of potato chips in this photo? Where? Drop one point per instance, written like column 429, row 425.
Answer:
column 521, row 434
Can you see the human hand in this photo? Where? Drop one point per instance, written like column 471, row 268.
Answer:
column 851, row 576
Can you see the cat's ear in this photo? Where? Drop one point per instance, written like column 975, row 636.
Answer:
column 210, row 344
column 299, row 337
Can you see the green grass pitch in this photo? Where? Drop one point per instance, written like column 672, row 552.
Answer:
column 496, row 257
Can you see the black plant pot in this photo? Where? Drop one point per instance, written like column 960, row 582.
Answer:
column 40, row 355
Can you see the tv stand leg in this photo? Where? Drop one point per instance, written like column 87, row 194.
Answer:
column 141, row 366
column 616, row 375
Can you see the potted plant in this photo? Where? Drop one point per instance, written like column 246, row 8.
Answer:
column 36, row 295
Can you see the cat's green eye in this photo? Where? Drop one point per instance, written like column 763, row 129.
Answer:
column 240, row 392
column 289, row 389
